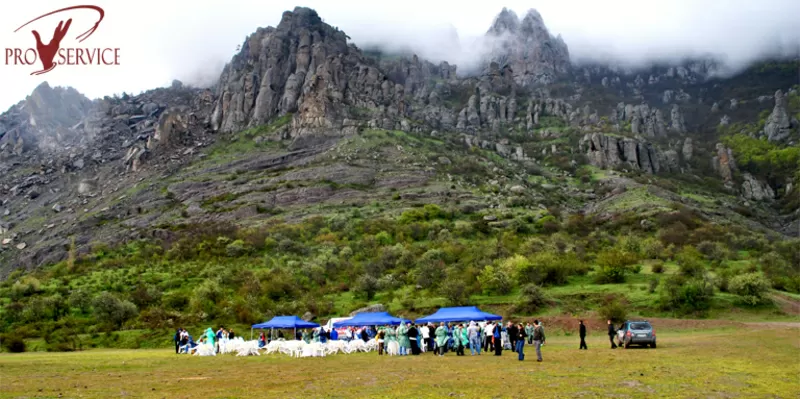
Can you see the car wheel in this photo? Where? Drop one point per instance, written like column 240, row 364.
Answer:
column 653, row 345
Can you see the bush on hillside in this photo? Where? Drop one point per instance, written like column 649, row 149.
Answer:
column 496, row 280
column 613, row 265
column 112, row 310
column 690, row 262
column 752, row 288
column 366, row 287
column 531, row 299
column 13, row 343
column 686, row 295
column 455, row 291
column 614, row 309
column 545, row 268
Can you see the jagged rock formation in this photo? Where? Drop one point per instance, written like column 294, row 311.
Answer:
column 78, row 160
column 605, row 151
column 527, row 47
column 756, row 190
column 642, row 119
column 48, row 119
column 723, row 163
column 778, row 124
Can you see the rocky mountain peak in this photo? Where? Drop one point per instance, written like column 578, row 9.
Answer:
column 535, row 56
column 45, row 119
column 505, row 22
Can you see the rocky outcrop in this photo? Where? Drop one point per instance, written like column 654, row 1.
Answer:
column 527, row 47
column 756, row 190
column 778, row 125
column 49, row 119
column 677, row 124
column 723, row 163
column 688, row 149
column 642, row 119
column 608, row 152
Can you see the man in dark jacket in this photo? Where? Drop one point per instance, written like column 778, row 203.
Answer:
column 611, row 333
column 582, row 334
column 177, row 339
column 538, row 339
column 512, row 335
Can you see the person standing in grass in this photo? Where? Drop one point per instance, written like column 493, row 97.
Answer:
column 441, row 339
column 512, row 335
column 177, row 339
column 520, row 341
column 474, row 337
column 582, row 334
column 413, row 338
column 402, row 338
column 497, row 339
column 488, row 336
column 538, row 339
column 611, row 333
column 380, row 338
column 425, row 333
column 529, row 333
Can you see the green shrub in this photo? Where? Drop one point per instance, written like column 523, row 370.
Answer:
column 546, row 268
column 652, row 285
column 614, row 264
column 110, row 309
column 455, row 291
column 686, row 295
column 690, row 262
column 531, row 299
column 366, row 287
column 236, row 248
column 496, row 280
column 657, row 267
column 752, row 288
column 614, row 309
column 13, row 343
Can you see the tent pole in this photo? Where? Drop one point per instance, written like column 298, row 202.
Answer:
column 251, row 333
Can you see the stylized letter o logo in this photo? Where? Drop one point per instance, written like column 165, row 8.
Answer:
column 30, row 51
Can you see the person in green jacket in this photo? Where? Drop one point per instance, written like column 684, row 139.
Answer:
column 464, row 338
column 529, row 333
column 441, row 338
column 458, row 339
column 402, row 339
column 316, row 334
column 306, row 337
column 210, row 336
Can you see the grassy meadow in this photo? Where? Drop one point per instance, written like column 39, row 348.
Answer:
column 754, row 361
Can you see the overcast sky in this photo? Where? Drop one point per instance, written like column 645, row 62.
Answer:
column 168, row 39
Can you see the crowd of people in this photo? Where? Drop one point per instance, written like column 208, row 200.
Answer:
column 184, row 342
column 414, row 339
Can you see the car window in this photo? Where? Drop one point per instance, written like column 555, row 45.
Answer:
column 640, row 326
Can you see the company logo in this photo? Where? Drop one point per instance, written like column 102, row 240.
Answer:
column 57, row 51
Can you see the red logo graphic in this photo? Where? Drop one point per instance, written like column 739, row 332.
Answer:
column 46, row 53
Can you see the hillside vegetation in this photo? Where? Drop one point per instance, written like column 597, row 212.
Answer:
column 412, row 249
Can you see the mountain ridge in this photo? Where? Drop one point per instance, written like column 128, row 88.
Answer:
column 308, row 70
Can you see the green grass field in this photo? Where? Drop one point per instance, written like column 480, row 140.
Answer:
column 757, row 361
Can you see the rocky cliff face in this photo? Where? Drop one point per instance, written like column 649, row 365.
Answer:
column 614, row 152
column 48, row 119
column 778, row 123
column 77, row 161
column 534, row 56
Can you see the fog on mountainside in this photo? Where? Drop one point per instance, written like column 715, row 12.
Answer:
column 733, row 33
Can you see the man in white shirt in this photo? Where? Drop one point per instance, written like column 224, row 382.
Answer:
column 426, row 337
column 487, row 336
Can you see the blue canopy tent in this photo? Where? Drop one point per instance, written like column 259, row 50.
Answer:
column 371, row 319
column 461, row 313
column 293, row 322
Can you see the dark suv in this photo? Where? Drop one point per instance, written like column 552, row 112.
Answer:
column 636, row 332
